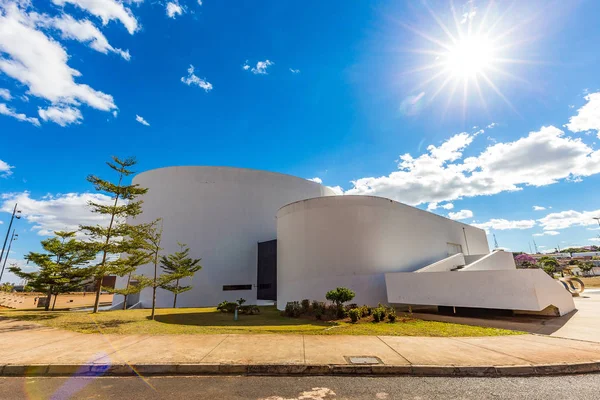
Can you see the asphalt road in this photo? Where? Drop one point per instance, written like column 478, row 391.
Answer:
column 302, row 388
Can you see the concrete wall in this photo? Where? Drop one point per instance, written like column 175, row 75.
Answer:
column 447, row 264
column 518, row 289
column 66, row 300
column 497, row 259
column 221, row 213
column 352, row 241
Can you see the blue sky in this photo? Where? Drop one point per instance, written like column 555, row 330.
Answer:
column 372, row 97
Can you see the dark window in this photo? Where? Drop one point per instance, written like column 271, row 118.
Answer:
column 267, row 270
column 237, row 287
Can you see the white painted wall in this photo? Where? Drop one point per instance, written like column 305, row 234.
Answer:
column 352, row 241
column 518, row 289
column 221, row 213
column 447, row 264
column 497, row 259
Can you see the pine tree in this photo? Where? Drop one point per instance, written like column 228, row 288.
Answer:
column 149, row 237
column 115, row 239
column 63, row 268
column 179, row 265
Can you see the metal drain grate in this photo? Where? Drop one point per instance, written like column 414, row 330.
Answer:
column 363, row 360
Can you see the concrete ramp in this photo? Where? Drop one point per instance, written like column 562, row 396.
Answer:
column 521, row 290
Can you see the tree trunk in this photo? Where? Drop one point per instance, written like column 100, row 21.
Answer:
column 124, row 302
column 154, row 285
column 54, row 302
column 48, row 299
column 98, row 291
column 176, row 291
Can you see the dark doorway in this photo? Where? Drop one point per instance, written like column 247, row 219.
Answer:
column 267, row 271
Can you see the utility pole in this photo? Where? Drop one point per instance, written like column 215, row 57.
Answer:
column 12, row 238
column 530, row 251
column 16, row 213
column 535, row 246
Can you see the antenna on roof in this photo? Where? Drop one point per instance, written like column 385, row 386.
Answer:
column 536, row 248
column 495, row 242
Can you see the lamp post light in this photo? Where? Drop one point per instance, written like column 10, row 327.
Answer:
column 15, row 214
column 12, row 239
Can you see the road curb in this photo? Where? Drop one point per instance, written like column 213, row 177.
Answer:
column 63, row 370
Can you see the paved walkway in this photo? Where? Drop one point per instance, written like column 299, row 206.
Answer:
column 24, row 344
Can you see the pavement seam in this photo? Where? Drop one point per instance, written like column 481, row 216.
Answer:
column 304, row 349
column 213, row 349
column 395, row 351
column 492, row 350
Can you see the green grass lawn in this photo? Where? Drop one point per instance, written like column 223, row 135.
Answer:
column 210, row 321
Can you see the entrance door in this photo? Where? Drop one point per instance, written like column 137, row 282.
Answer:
column 267, row 271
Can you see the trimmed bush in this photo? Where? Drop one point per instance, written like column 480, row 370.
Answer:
column 293, row 309
column 319, row 313
column 379, row 314
column 354, row 314
column 375, row 317
column 365, row 311
column 340, row 296
column 249, row 310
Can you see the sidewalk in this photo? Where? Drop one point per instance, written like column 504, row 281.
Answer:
column 30, row 349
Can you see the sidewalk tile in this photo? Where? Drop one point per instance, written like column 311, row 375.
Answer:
column 333, row 349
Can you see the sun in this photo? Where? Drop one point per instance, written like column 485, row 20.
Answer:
column 466, row 54
column 469, row 57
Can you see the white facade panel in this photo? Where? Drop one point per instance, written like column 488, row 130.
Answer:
column 221, row 213
column 353, row 241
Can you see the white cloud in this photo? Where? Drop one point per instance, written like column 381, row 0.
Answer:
column 192, row 79
column 503, row 224
column 83, row 31
column 260, row 68
column 588, row 116
column 566, row 219
column 174, row 9
column 538, row 208
column 5, row 169
column 60, row 212
column 492, row 125
column 294, row 71
column 199, row 2
column 547, row 233
column 61, row 115
column 596, row 239
column 468, row 16
column 316, row 179
column 106, row 10
column 5, row 94
column 39, row 62
column 443, row 174
column 448, row 206
column 462, row 214
column 5, row 110
column 141, row 120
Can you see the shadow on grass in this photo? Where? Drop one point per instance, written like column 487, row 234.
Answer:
column 269, row 316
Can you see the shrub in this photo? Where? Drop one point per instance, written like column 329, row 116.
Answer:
column 241, row 301
column 392, row 315
column 318, row 305
column 351, row 306
column 379, row 314
column 341, row 312
column 375, row 317
column 365, row 311
column 305, row 305
column 340, row 296
column 249, row 310
column 293, row 309
column 227, row 306
column 354, row 314
column 319, row 313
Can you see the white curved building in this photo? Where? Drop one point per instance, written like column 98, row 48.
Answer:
column 269, row 236
column 222, row 213
column 352, row 241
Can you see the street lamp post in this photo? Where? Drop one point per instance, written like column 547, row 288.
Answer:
column 12, row 239
column 16, row 213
